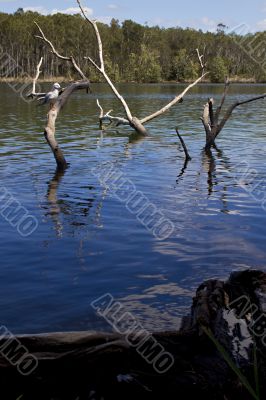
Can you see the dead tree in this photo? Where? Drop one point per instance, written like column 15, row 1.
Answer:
column 135, row 122
column 55, row 107
column 49, row 131
column 211, row 120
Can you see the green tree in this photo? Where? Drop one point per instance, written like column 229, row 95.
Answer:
column 134, row 52
column 144, row 67
column 183, row 68
column 218, row 70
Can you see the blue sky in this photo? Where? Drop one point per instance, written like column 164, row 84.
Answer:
column 203, row 14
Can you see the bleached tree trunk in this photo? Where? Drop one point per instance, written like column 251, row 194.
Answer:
column 49, row 131
column 135, row 122
column 55, row 107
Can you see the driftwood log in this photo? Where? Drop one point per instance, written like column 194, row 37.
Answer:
column 89, row 365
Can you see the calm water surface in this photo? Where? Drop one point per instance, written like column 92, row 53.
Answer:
column 87, row 243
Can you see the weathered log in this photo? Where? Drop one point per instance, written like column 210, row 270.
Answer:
column 90, row 365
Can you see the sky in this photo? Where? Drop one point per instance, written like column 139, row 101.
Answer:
column 198, row 14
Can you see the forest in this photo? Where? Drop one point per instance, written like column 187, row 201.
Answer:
column 133, row 52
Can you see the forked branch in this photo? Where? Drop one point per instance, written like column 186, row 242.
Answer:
column 107, row 117
column 34, row 81
column 134, row 122
column 56, row 53
column 202, row 62
column 230, row 110
column 211, row 120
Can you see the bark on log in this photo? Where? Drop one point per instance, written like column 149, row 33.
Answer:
column 90, row 365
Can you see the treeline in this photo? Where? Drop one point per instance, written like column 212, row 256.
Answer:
column 133, row 53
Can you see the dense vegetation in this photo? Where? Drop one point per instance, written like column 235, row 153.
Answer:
column 132, row 52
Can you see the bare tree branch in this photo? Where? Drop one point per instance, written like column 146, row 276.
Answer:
column 101, row 109
column 201, row 60
column 183, row 145
column 55, row 52
column 34, row 81
column 36, row 78
column 93, row 23
column 219, row 109
column 212, row 121
column 101, row 67
column 230, row 110
column 107, row 117
column 133, row 121
column 177, row 99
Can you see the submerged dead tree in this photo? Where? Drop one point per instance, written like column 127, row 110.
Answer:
column 49, row 131
column 129, row 119
column 211, row 120
column 57, row 104
column 136, row 123
column 55, row 107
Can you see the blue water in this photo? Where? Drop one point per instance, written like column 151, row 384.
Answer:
column 87, row 243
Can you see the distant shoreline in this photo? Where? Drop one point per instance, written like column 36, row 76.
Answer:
column 62, row 79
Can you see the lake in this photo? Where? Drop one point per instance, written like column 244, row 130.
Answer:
column 87, row 242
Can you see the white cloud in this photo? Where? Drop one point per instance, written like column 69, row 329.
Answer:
column 38, row 9
column 73, row 10
column 113, row 6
